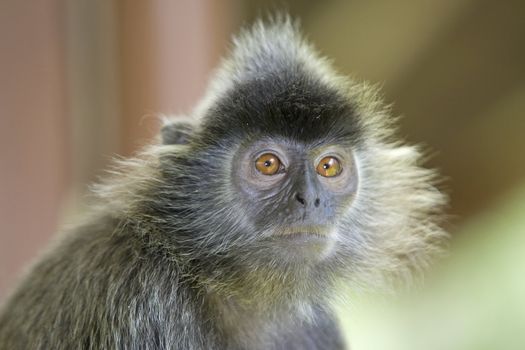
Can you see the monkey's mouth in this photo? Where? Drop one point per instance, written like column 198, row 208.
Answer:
column 303, row 243
column 303, row 235
column 302, row 238
column 299, row 231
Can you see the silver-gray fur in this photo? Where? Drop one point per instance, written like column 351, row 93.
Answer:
column 169, row 258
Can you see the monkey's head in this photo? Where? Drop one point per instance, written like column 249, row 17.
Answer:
column 292, row 177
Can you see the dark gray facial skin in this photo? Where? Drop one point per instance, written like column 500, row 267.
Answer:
column 296, row 209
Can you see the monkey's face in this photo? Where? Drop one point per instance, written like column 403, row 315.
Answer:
column 295, row 193
column 291, row 176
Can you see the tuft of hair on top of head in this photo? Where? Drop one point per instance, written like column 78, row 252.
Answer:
column 272, row 46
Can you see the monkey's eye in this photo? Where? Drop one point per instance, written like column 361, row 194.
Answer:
column 329, row 167
column 268, row 164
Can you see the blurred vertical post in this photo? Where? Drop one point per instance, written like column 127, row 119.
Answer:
column 34, row 144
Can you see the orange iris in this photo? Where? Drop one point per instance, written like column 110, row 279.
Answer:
column 329, row 167
column 268, row 164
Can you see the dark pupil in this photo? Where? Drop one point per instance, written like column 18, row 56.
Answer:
column 326, row 166
column 267, row 163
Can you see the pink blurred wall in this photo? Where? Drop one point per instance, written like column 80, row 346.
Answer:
column 50, row 75
column 33, row 130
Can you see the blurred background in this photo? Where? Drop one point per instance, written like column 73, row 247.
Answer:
column 84, row 80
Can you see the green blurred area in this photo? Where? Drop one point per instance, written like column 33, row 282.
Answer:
column 474, row 301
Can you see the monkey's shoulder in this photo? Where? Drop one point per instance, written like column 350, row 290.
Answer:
column 103, row 287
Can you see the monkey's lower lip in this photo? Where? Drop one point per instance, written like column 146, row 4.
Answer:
column 305, row 237
column 306, row 246
column 306, row 231
column 301, row 235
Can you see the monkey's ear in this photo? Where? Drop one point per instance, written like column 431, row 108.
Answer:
column 176, row 132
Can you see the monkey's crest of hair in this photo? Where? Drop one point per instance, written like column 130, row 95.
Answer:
column 179, row 196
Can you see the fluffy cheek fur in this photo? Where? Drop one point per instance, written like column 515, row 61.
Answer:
column 390, row 232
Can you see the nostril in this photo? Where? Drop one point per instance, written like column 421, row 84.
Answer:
column 317, row 202
column 300, row 199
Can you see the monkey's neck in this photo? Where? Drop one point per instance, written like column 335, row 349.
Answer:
column 248, row 322
column 264, row 290
column 254, row 306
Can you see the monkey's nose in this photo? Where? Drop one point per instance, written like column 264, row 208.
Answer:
column 300, row 198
